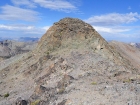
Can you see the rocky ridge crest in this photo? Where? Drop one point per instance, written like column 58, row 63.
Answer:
column 74, row 33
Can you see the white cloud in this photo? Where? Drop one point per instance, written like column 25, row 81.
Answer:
column 22, row 30
column 119, row 33
column 27, row 3
column 111, row 29
column 116, row 26
column 16, row 13
column 60, row 5
column 46, row 27
column 16, row 27
column 113, row 19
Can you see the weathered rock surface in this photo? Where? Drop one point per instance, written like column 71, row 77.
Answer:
column 20, row 101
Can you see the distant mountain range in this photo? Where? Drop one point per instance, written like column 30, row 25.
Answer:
column 22, row 39
column 2, row 39
column 9, row 48
column 135, row 44
column 28, row 39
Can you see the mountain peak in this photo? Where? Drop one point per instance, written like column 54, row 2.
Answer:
column 70, row 32
column 70, row 58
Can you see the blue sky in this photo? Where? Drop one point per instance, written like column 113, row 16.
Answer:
column 113, row 19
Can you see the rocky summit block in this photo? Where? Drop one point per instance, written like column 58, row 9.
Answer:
column 69, row 31
column 73, row 33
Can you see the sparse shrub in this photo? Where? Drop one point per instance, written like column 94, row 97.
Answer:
column 48, row 53
column 127, row 80
column 35, row 102
column 6, row 95
column 80, row 75
column 61, row 90
column 94, row 83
